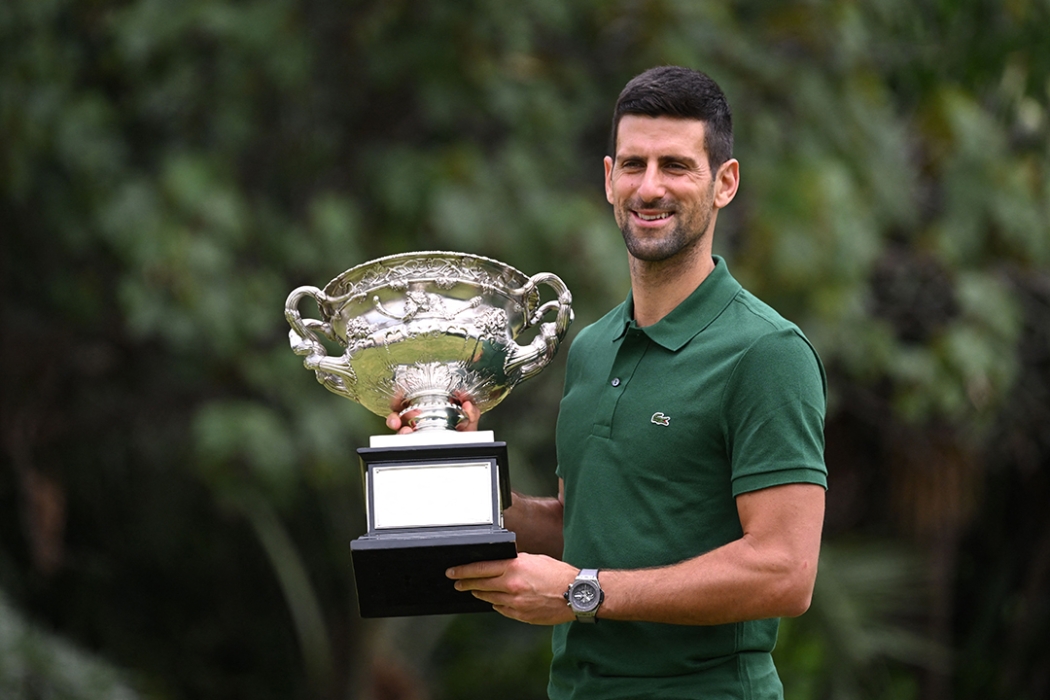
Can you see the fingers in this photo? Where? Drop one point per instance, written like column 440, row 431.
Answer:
column 393, row 419
column 399, row 426
column 473, row 416
column 529, row 588
column 480, row 569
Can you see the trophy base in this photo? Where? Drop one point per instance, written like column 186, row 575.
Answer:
column 404, row 575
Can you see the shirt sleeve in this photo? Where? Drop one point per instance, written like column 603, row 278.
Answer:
column 773, row 414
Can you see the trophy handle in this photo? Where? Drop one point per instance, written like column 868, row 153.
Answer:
column 527, row 360
column 335, row 374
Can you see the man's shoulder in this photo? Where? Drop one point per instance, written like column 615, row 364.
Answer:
column 756, row 329
column 768, row 346
column 749, row 314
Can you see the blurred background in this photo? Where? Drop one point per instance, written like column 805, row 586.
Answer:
column 177, row 494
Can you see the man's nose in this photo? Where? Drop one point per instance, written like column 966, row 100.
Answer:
column 651, row 187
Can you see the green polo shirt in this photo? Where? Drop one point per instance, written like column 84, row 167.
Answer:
column 660, row 428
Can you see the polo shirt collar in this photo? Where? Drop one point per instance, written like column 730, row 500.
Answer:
column 694, row 314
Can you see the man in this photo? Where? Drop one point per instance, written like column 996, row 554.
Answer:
column 690, row 443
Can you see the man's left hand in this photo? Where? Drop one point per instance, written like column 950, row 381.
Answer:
column 530, row 588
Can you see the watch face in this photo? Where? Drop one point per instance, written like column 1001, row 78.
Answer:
column 584, row 596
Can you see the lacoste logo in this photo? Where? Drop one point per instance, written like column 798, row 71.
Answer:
column 660, row 419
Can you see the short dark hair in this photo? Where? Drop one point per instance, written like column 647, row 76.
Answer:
column 673, row 91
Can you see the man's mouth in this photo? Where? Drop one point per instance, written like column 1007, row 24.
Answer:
column 653, row 217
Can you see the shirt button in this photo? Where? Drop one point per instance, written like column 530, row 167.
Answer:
column 615, row 381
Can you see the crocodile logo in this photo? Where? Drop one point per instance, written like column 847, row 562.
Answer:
column 660, row 419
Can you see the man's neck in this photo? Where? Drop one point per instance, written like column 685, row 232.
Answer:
column 657, row 288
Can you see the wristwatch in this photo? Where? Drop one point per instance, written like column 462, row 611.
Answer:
column 585, row 595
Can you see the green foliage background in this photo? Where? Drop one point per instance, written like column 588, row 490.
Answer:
column 177, row 494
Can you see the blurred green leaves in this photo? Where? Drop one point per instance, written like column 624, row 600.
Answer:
column 246, row 434
column 34, row 663
column 169, row 171
column 864, row 613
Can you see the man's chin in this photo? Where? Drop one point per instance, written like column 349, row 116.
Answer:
column 662, row 249
column 652, row 254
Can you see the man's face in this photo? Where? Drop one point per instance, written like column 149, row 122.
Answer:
column 661, row 186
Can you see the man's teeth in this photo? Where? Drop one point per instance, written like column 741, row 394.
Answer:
column 653, row 217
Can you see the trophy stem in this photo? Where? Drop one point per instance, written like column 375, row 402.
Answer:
column 432, row 410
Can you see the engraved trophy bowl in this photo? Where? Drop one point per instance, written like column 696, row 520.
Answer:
column 423, row 332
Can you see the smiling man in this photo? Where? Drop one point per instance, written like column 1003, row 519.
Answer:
column 690, row 443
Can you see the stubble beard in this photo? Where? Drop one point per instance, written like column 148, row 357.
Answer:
column 685, row 236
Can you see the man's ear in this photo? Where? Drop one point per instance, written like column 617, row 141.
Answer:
column 727, row 180
column 608, row 179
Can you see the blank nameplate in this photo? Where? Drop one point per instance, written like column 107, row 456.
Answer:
column 432, row 495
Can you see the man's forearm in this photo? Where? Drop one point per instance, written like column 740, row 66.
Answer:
column 730, row 584
column 769, row 572
column 537, row 522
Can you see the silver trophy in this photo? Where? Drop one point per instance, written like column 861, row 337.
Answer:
column 420, row 334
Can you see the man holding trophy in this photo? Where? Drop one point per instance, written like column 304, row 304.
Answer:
column 690, row 443
column 690, row 434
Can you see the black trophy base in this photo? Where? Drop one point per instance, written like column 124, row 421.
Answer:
column 400, row 575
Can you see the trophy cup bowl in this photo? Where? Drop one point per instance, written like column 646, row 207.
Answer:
column 420, row 334
column 423, row 332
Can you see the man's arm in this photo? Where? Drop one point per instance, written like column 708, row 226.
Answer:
column 769, row 572
column 537, row 522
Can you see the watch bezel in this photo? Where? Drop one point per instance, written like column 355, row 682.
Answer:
column 594, row 602
column 587, row 612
